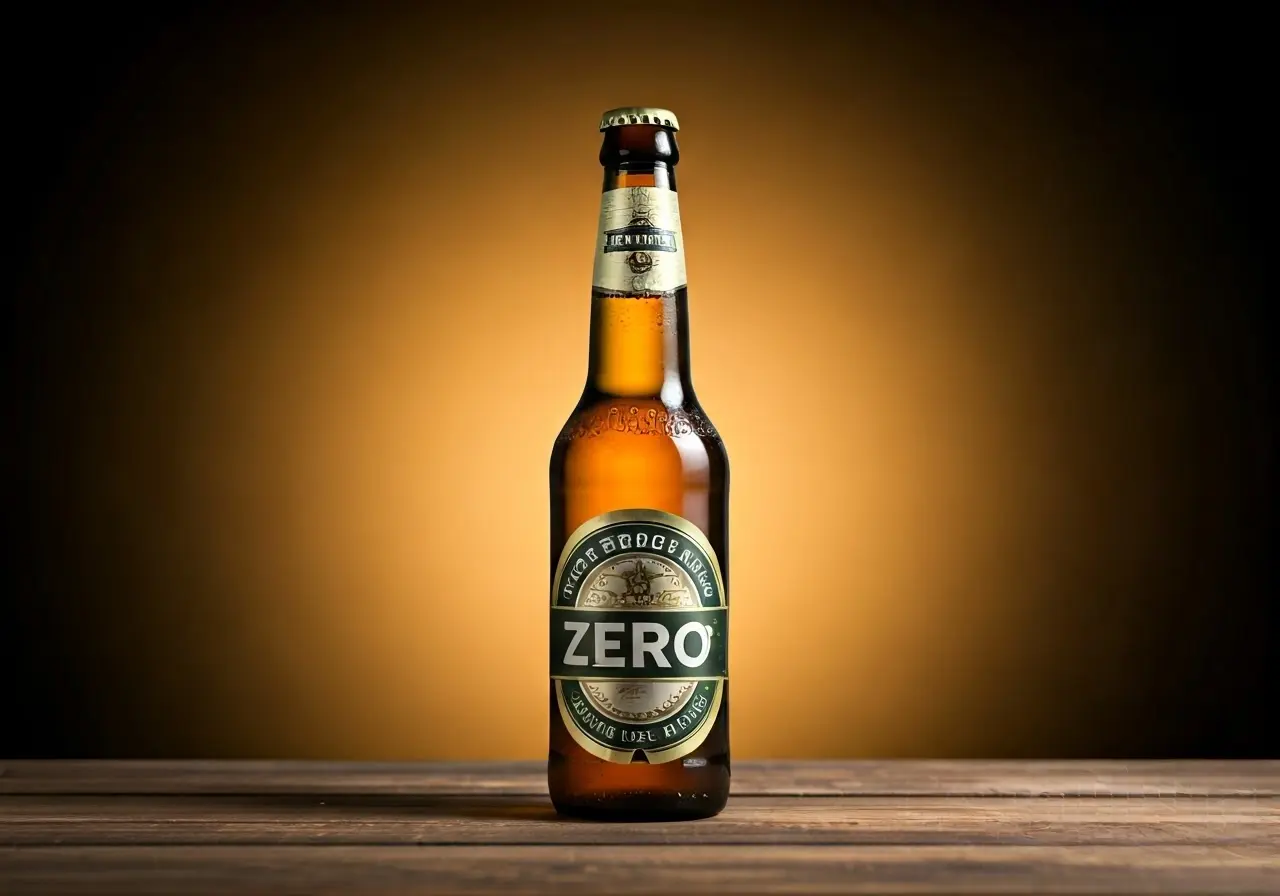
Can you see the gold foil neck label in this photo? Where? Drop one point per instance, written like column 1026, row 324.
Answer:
column 639, row 247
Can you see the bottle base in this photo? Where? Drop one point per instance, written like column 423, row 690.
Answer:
column 639, row 807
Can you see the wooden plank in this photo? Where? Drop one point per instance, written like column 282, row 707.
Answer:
column 282, row 776
column 394, row 820
column 1076, row 778
column 641, row 869
column 870, row 778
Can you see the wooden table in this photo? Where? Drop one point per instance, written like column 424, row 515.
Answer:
column 823, row 827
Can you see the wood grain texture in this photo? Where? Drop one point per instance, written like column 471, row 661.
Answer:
column 643, row 869
column 866, row 778
column 793, row 827
column 411, row 821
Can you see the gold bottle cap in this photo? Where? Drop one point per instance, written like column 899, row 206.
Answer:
column 639, row 115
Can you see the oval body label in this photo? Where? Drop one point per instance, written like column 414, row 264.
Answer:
column 639, row 636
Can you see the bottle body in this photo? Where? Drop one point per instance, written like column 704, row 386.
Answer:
column 639, row 697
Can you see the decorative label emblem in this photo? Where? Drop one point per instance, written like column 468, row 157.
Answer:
column 640, row 251
column 638, row 636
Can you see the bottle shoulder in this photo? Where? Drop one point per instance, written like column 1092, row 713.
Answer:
column 637, row 417
column 619, row 453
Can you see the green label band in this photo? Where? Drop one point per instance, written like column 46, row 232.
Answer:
column 641, row 644
column 641, row 734
column 612, row 552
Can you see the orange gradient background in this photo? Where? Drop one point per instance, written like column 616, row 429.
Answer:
column 351, row 260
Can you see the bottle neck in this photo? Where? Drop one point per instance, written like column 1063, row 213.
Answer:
column 639, row 299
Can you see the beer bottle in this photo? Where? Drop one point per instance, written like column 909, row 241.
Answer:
column 639, row 521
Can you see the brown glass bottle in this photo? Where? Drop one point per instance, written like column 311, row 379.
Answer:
column 639, row 522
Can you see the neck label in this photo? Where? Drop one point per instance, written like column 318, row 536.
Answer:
column 639, row 248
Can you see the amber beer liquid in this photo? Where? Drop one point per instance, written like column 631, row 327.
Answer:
column 639, row 522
